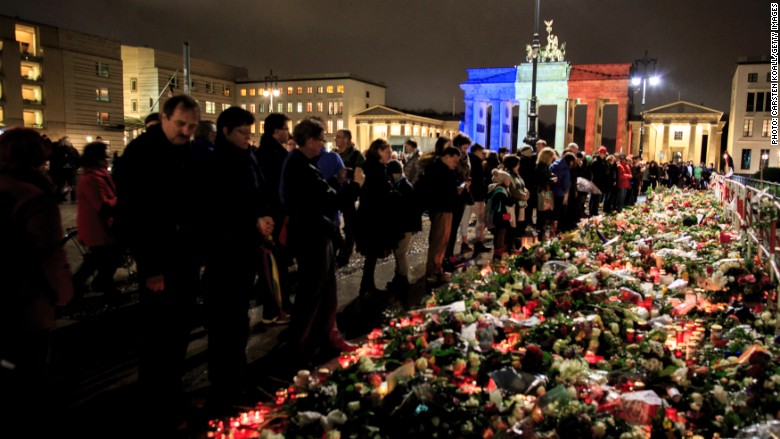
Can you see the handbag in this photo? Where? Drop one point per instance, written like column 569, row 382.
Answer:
column 546, row 201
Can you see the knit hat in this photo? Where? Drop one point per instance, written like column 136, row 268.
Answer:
column 526, row 151
column 501, row 177
column 394, row 167
column 603, row 150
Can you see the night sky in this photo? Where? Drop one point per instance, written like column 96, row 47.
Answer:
column 421, row 48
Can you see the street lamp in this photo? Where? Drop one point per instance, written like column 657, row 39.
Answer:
column 271, row 89
column 641, row 76
column 532, row 136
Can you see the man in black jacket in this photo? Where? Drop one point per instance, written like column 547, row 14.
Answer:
column 155, row 213
column 349, row 192
column 239, row 221
column 599, row 171
column 441, row 194
column 270, row 156
column 310, row 204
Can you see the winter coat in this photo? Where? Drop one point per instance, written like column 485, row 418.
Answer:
column 34, row 273
column 378, row 231
column 309, row 201
column 409, row 207
column 438, row 187
column 623, row 176
column 97, row 200
column 478, row 183
column 412, row 167
column 561, row 170
column 237, row 197
column 270, row 157
column 156, row 209
column 497, row 207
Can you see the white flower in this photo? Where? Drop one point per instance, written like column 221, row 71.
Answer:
column 466, row 428
column 680, row 376
column 720, row 394
column 599, row 429
column 353, row 406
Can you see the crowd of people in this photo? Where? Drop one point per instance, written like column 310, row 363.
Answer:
column 203, row 209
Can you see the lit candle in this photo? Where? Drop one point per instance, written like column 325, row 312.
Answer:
column 630, row 335
column 382, row 389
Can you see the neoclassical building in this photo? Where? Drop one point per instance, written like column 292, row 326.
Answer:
column 498, row 99
column 680, row 131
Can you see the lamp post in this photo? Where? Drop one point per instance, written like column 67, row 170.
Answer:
column 641, row 76
column 271, row 89
column 532, row 136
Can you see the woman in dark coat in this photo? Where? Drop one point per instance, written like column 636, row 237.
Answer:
column 544, row 180
column 377, row 231
column 34, row 276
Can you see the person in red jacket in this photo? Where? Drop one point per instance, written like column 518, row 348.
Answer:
column 96, row 197
column 623, row 181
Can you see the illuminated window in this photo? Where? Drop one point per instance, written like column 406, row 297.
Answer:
column 252, row 129
column 341, row 107
column 33, row 118
column 319, row 89
column 279, row 107
column 226, row 90
column 2, row 115
column 243, row 106
column 299, row 90
column 330, row 89
column 133, row 84
column 309, row 107
column 211, row 107
column 252, row 108
column 225, row 106
column 101, row 94
column 134, row 105
column 678, row 135
column 330, row 126
column 289, row 107
column 765, row 128
column 261, row 108
column 339, row 89
column 747, row 128
column 309, row 90
column 340, row 124
column 103, row 118
column 26, row 36
column 252, row 92
column 319, row 107
column 289, row 90
column 331, row 107
column 101, row 69
column 31, row 70
column 300, row 107
column 32, row 94
column 243, row 92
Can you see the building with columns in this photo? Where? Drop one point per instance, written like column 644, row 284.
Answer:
column 381, row 122
column 597, row 86
column 498, row 99
column 680, row 131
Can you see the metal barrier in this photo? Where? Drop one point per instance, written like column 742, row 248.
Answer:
column 753, row 207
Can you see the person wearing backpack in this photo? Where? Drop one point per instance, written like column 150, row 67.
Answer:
column 498, row 211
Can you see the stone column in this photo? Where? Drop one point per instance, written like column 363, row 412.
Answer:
column 496, row 122
column 590, row 125
column 560, row 125
column 468, row 118
column 693, row 146
column 667, row 129
column 713, row 146
column 622, row 127
column 522, row 121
